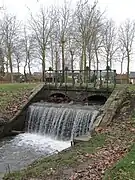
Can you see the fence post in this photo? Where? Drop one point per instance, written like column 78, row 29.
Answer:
column 100, row 78
column 114, row 78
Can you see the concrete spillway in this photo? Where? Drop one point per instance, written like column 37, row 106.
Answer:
column 60, row 121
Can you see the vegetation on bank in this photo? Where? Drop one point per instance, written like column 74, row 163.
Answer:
column 125, row 168
column 12, row 96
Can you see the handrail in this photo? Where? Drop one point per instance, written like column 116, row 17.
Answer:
column 81, row 79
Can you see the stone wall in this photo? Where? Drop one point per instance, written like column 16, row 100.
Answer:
column 111, row 107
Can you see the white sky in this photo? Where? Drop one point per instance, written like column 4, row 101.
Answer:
column 118, row 10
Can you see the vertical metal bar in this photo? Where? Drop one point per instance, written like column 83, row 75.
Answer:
column 56, row 78
column 49, row 78
column 53, row 75
column 100, row 78
column 45, row 77
column 86, row 78
column 61, row 77
column 73, row 79
column 114, row 78
column 66, row 74
column 80, row 78
column 94, row 78
column 89, row 75
column 107, row 77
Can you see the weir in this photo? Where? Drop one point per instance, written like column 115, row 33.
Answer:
column 60, row 121
column 49, row 128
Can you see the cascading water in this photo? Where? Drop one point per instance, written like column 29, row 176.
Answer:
column 46, row 128
column 60, row 121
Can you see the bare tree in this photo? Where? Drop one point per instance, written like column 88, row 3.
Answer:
column 28, row 45
column 2, row 62
column 10, row 27
column 42, row 26
column 63, row 27
column 109, row 42
column 88, row 23
column 126, row 39
column 18, row 53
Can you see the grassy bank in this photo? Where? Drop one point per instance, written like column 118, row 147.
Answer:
column 125, row 168
column 12, row 96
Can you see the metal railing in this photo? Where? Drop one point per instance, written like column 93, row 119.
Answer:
column 81, row 79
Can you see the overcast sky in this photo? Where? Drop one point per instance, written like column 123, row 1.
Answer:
column 118, row 10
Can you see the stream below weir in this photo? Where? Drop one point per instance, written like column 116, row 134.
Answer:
column 18, row 152
column 49, row 130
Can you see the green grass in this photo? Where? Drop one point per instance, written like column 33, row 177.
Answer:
column 16, row 86
column 131, row 87
column 124, row 169
column 66, row 159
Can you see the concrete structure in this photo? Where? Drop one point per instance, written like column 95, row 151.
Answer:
column 107, row 112
column 88, row 87
column 44, row 92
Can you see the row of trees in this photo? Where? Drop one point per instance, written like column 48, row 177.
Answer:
column 64, row 37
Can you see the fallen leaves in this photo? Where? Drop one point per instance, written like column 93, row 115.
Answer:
column 102, row 160
column 118, row 144
column 12, row 101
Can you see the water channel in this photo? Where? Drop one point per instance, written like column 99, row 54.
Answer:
column 49, row 129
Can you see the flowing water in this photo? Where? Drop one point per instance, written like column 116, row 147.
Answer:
column 49, row 129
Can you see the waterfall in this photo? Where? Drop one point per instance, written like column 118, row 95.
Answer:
column 60, row 121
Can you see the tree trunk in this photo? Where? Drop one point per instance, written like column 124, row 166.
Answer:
column 56, row 63
column 72, row 66
column 52, row 55
column 7, row 66
column 2, row 69
column 89, row 54
column 56, row 68
column 43, row 66
column 107, row 75
column 97, row 60
column 29, row 68
column 18, row 66
column 121, row 66
column 85, row 58
column 10, row 65
column 63, row 61
column 128, row 63
column 72, row 62
column 25, row 74
column 81, row 61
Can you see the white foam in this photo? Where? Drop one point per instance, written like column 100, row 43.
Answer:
column 40, row 143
